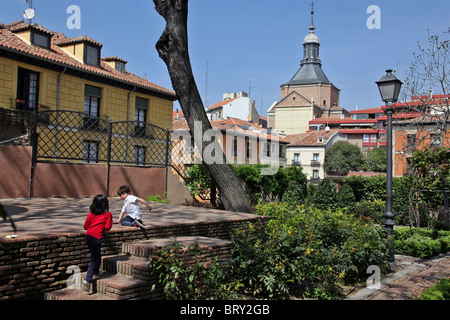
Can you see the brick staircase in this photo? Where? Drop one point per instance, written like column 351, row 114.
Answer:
column 127, row 276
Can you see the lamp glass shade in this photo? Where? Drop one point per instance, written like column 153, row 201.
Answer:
column 389, row 87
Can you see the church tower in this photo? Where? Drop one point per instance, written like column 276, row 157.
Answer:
column 308, row 94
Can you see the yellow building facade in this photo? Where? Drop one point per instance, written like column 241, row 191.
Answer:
column 44, row 70
column 64, row 79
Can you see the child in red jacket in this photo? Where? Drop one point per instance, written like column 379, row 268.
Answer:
column 97, row 222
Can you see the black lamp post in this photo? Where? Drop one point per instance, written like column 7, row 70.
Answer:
column 389, row 87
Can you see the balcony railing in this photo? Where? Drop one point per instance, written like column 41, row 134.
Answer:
column 315, row 163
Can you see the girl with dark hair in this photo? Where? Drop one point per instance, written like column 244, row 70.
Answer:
column 97, row 222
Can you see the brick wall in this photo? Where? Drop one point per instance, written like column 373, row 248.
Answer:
column 32, row 266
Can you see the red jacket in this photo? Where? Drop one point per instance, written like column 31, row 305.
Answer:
column 97, row 224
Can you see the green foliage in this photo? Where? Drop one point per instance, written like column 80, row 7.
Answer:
column 375, row 160
column 373, row 210
column 440, row 291
column 198, row 179
column 184, row 275
column 307, row 251
column 346, row 199
column 343, row 157
column 258, row 187
column 421, row 243
column 158, row 198
column 325, row 196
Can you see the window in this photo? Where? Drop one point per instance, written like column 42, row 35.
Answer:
column 40, row 39
column 27, row 89
column 282, row 151
column 140, row 116
column 139, row 155
column 373, row 138
column 120, row 66
column 366, row 137
column 90, row 151
column 296, row 158
column 411, row 142
column 92, row 97
column 92, row 55
column 316, row 157
column 235, row 146
column 315, row 174
column 248, row 148
column 435, row 140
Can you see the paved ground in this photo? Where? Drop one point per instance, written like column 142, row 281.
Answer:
column 67, row 215
column 43, row 216
column 411, row 277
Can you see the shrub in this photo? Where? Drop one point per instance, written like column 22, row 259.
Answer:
column 307, row 251
column 421, row 243
column 346, row 199
column 373, row 210
column 184, row 275
column 158, row 198
column 325, row 196
column 440, row 291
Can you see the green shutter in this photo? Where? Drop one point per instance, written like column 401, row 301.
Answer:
column 141, row 103
column 92, row 91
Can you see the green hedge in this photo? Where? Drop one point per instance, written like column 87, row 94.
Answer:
column 440, row 291
column 421, row 243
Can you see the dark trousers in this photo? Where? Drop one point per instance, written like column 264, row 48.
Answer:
column 94, row 245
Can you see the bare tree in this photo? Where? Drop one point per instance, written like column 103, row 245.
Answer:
column 173, row 50
column 427, row 82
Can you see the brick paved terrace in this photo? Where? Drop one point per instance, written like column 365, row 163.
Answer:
column 50, row 238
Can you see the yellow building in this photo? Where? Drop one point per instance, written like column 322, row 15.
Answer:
column 42, row 68
column 46, row 70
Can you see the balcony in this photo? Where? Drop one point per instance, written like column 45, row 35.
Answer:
column 315, row 163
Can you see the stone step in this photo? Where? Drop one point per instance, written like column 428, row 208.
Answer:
column 74, row 294
column 147, row 248
column 128, row 265
column 120, row 287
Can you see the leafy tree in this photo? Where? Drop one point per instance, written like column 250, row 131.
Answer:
column 343, row 157
column 431, row 170
column 375, row 160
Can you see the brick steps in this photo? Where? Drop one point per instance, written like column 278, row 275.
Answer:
column 127, row 276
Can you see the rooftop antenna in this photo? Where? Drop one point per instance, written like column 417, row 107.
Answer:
column 206, row 85
column 30, row 12
column 249, row 86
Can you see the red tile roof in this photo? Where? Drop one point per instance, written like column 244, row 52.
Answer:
column 234, row 124
column 10, row 42
column 221, row 103
column 310, row 138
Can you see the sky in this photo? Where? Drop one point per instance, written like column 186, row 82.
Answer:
column 256, row 45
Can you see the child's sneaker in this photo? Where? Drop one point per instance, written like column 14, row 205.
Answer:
column 86, row 285
column 139, row 223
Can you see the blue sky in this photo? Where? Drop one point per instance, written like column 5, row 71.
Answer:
column 257, row 43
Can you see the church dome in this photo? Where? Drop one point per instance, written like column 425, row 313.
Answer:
column 311, row 38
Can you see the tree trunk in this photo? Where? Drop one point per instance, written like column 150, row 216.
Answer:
column 172, row 47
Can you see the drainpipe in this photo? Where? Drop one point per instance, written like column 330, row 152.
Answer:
column 57, row 109
column 128, row 119
column 59, row 85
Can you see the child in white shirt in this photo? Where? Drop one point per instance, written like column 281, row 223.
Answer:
column 131, row 208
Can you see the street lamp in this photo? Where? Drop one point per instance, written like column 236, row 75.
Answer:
column 389, row 87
